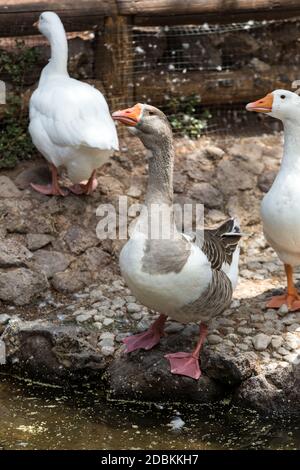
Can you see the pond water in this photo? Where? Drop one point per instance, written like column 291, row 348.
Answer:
column 39, row 417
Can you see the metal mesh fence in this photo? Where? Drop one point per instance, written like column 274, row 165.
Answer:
column 203, row 75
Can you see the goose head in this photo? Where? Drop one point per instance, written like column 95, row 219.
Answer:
column 147, row 122
column 280, row 104
column 48, row 24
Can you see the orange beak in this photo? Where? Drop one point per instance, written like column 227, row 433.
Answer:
column 264, row 105
column 129, row 116
column 36, row 24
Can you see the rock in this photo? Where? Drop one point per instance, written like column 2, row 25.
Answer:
column 232, row 177
column 96, row 294
column 13, row 254
column 134, row 191
column 276, row 341
column 8, row 188
column 172, row 327
column 37, row 175
column 79, row 239
column 261, row 341
column 107, row 350
column 214, row 152
column 4, row 318
column 278, row 391
column 50, row 262
column 21, row 286
column 283, row 309
column 145, row 375
column 206, row 194
column 70, row 280
column 83, row 317
column 108, row 321
column 230, row 369
column 36, row 241
column 95, row 259
column 265, row 180
column 133, row 308
column 53, row 354
column 214, row 339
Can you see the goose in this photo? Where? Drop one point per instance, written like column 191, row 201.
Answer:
column 174, row 275
column 70, row 123
column 280, row 208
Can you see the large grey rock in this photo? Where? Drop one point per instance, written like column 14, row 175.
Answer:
column 8, row 188
column 21, row 286
column 55, row 354
column 51, row 262
column 277, row 392
column 13, row 254
column 206, row 194
column 145, row 375
column 35, row 241
column 79, row 239
column 71, row 280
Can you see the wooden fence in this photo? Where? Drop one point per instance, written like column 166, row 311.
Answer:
column 114, row 20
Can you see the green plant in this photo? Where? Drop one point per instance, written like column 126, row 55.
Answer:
column 183, row 118
column 15, row 142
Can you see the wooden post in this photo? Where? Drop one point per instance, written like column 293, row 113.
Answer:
column 114, row 61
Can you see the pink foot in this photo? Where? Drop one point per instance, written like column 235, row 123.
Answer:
column 148, row 339
column 183, row 363
column 49, row 190
column 85, row 187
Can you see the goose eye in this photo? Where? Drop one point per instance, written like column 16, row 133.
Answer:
column 282, row 97
column 151, row 113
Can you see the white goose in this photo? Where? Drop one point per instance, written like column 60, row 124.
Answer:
column 280, row 209
column 174, row 275
column 70, row 123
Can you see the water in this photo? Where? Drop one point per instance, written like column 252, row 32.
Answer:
column 36, row 417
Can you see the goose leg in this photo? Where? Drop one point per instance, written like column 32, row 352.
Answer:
column 86, row 188
column 183, row 363
column 52, row 189
column 148, row 339
column 291, row 298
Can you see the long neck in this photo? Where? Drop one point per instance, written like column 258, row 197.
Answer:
column 59, row 54
column 291, row 153
column 160, row 182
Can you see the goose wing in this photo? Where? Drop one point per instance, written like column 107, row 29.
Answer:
column 74, row 113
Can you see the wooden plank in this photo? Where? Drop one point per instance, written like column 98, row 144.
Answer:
column 190, row 7
column 231, row 86
column 17, row 16
column 103, row 7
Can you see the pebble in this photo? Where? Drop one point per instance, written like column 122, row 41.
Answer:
column 243, row 347
column 173, row 327
column 4, row 318
column 235, row 303
column 289, row 319
column 106, row 342
column 143, row 324
column 118, row 302
column 270, row 315
column 108, row 321
column 244, row 331
column 276, row 342
column 107, row 334
column 107, row 350
column 133, row 307
column 98, row 325
column 283, row 310
column 283, row 351
column 130, row 299
column 137, row 316
column 96, row 294
column 214, row 339
column 83, row 317
column 261, row 341
column 294, row 327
